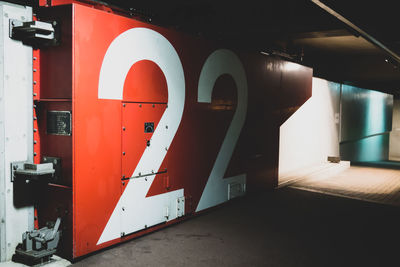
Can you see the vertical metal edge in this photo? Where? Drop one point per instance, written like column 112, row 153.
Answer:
column 74, row 234
column 29, row 138
column 2, row 147
column 340, row 116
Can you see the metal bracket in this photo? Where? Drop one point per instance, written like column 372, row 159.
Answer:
column 56, row 165
column 35, row 33
column 28, row 171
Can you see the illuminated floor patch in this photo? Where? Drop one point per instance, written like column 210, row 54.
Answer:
column 363, row 183
column 314, row 172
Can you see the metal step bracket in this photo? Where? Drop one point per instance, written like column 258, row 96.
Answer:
column 34, row 33
column 29, row 171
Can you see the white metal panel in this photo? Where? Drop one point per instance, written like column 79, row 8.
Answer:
column 16, row 136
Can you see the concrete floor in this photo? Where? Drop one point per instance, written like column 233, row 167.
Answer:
column 374, row 184
column 287, row 227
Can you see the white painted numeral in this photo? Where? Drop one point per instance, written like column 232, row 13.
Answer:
column 218, row 63
column 134, row 210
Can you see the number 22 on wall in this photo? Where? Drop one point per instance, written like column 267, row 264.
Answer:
column 139, row 44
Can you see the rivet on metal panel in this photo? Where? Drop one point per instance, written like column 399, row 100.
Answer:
column 166, row 126
column 35, row 142
column 145, row 178
column 123, row 176
column 123, row 183
column 123, row 153
column 166, row 149
column 140, row 173
column 123, row 208
column 123, row 105
column 34, row 70
column 35, row 130
column 123, row 128
column 140, row 105
column 34, row 118
column 34, row 58
column 34, row 82
column 34, row 94
column 154, row 105
column 34, row 154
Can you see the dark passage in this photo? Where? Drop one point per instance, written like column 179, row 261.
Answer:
column 287, row 227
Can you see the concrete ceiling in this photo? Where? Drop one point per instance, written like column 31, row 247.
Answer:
column 297, row 30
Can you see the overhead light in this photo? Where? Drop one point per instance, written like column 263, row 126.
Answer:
column 264, row 53
column 386, row 60
column 290, row 66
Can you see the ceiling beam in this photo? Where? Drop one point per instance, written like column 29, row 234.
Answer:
column 321, row 34
column 362, row 33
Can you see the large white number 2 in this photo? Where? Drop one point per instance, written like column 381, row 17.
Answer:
column 134, row 211
column 219, row 63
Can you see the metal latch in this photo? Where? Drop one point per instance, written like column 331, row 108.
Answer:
column 39, row 244
column 35, row 33
column 30, row 171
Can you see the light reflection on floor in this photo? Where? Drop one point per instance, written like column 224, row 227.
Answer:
column 365, row 183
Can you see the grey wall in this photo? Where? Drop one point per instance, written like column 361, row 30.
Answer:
column 355, row 121
column 394, row 142
column 366, row 122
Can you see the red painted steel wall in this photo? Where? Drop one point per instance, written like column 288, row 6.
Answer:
column 108, row 138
